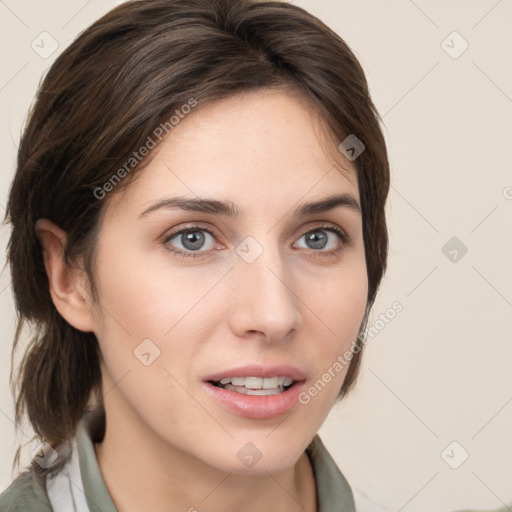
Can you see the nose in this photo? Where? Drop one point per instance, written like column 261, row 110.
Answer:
column 263, row 300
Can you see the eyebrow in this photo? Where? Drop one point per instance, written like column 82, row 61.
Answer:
column 228, row 208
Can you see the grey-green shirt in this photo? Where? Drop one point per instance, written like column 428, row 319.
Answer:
column 29, row 491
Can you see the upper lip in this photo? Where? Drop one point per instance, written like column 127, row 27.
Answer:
column 258, row 370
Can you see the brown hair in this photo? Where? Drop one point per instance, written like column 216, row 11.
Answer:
column 98, row 104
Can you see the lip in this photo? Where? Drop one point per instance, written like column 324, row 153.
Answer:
column 257, row 370
column 257, row 406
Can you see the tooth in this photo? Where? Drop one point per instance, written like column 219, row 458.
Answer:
column 262, row 392
column 270, row 382
column 246, row 391
column 257, row 383
column 253, row 382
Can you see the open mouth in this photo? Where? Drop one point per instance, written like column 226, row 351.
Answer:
column 261, row 386
column 256, row 391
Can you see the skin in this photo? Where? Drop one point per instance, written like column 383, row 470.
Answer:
column 168, row 445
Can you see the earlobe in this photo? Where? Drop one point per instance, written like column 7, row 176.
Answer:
column 66, row 288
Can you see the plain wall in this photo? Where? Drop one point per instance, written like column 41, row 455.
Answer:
column 439, row 371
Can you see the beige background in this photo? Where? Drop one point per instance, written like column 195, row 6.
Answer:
column 438, row 372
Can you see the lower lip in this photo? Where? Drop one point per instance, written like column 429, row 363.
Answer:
column 259, row 407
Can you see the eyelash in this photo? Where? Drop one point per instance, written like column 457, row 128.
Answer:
column 198, row 254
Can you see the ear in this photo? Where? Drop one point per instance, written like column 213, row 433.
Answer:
column 67, row 286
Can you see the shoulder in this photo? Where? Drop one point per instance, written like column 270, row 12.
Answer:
column 26, row 493
column 334, row 491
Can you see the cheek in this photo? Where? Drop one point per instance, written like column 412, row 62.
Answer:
column 338, row 305
column 152, row 307
column 146, row 297
column 339, row 301
column 153, row 326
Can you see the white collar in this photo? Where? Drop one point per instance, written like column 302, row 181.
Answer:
column 65, row 488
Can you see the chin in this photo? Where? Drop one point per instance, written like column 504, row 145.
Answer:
column 259, row 453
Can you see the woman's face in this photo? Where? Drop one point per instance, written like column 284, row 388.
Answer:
column 272, row 292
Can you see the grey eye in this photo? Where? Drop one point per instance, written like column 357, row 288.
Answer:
column 319, row 239
column 192, row 239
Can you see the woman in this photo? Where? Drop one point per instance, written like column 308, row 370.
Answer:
column 198, row 234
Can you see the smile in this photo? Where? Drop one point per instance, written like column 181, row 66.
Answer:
column 262, row 386
column 256, row 391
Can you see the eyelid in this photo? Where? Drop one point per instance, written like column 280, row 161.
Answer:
column 330, row 227
column 197, row 226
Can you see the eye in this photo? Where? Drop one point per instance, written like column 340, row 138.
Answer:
column 195, row 241
column 189, row 241
column 319, row 240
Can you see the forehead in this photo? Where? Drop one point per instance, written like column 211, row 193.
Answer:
column 259, row 149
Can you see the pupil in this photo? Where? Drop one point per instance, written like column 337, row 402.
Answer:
column 318, row 240
column 192, row 240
